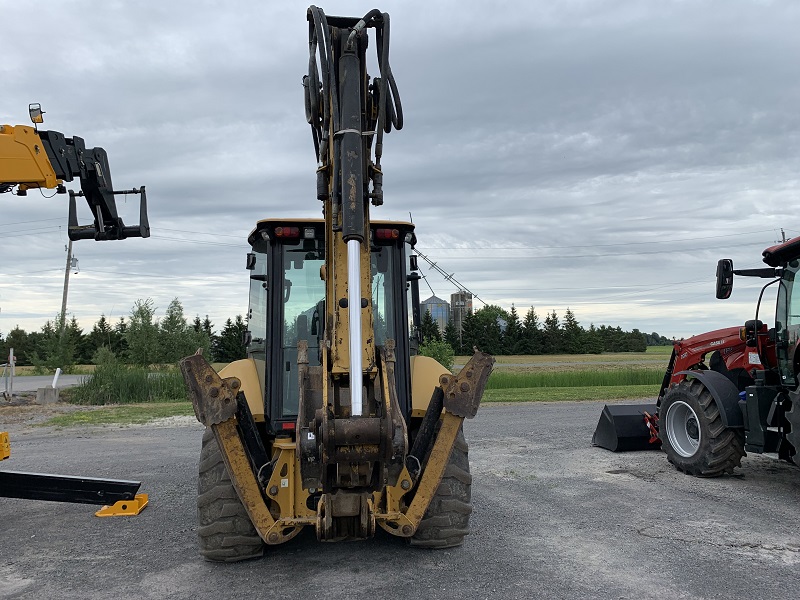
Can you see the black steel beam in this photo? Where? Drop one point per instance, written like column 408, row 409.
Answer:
column 65, row 488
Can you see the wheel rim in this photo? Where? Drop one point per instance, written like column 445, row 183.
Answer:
column 683, row 429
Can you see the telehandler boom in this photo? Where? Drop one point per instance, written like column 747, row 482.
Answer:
column 31, row 159
column 332, row 421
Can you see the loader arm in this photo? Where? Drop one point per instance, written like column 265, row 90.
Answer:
column 31, row 159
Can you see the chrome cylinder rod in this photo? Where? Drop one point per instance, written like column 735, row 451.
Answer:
column 354, row 314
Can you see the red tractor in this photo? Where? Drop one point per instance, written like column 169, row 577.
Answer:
column 729, row 391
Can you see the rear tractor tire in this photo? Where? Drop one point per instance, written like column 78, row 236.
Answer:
column 225, row 532
column 693, row 435
column 446, row 521
column 793, row 433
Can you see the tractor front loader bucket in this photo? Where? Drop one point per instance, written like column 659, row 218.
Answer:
column 625, row 427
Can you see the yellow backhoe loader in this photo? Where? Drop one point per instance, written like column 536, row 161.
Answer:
column 333, row 421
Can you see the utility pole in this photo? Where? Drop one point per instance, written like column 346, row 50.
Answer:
column 66, row 288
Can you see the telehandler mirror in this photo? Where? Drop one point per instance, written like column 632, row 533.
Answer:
column 724, row 278
column 251, row 261
column 36, row 113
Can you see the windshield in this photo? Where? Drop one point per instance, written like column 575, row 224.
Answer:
column 257, row 314
column 303, row 309
column 383, row 298
column 787, row 323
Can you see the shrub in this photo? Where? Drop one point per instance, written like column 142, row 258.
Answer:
column 440, row 351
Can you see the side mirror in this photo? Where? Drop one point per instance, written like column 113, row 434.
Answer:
column 724, row 278
column 36, row 113
column 251, row 261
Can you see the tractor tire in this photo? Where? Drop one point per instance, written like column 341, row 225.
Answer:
column 793, row 433
column 692, row 433
column 225, row 532
column 446, row 521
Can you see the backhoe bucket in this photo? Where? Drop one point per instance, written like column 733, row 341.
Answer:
column 625, row 427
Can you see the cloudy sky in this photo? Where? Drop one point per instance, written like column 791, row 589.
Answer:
column 596, row 155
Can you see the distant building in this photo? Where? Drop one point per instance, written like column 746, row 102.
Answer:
column 461, row 302
column 439, row 309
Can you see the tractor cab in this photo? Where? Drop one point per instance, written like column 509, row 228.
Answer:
column 787, row 325
column 287, row 305
column 777, row 347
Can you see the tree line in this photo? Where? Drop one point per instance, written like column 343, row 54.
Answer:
column 141, row 339
column 501, row 332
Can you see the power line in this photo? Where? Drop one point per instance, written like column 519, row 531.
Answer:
column 648, row 243
column 203, row 242
column 34, row 221
column 209, row 233
column 569, row 256
column 447, row 276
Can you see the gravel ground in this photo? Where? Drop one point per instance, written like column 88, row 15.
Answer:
column 554, row 518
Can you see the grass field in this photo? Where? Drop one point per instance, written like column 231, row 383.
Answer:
column 551, row 378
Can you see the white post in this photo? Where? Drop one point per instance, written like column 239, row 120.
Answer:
column 11, row 361
column 55, row 379
column 354, row 314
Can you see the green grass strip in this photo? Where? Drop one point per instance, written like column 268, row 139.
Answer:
column 500, row 380
column 129, row 414
column 556, row 394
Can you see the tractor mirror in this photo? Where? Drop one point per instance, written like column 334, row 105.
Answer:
column 724, row 278
column 251, row 261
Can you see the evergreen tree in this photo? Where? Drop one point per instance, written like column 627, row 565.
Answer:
column 119, row 339
column 20, row 341
column 208, row 327
column 55, row 349
column 512, row 336
column 451, row 337
column 636, row 341
column 481, row 329
column 229, row 345
column 100, row 335
column 531, row 333
column 552, row 339
column 79, row 341
column 572, row 334
column 429, row 329
column 593, row 343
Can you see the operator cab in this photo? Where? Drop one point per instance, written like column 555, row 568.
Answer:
column 787, row 325
column 287, row 304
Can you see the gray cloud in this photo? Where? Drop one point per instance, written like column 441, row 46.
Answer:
column 593, row 155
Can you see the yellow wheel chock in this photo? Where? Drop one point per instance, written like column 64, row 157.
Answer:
column 124, row 508
column 5, row 446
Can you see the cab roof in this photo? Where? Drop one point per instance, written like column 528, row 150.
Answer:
column 268, row 224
